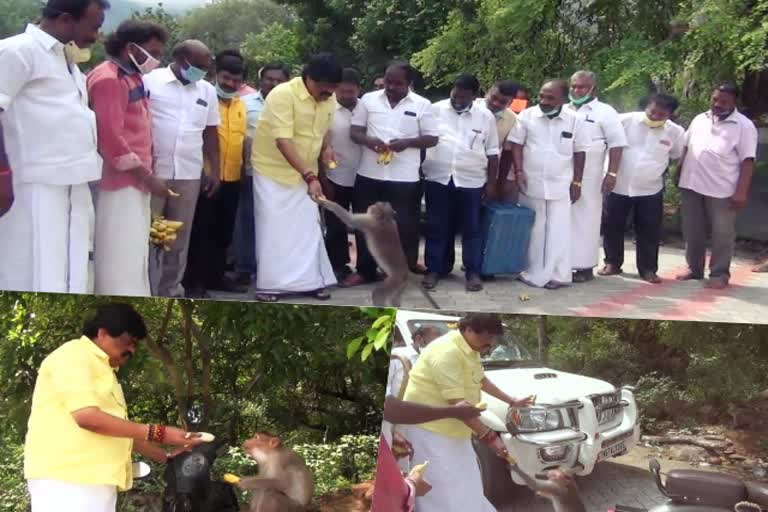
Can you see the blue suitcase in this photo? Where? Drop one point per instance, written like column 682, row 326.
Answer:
column 506, row 235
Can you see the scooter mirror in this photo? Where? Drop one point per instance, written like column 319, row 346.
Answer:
column 141, row 470
column 654, row 466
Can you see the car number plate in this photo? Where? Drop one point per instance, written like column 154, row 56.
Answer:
column 613, row 451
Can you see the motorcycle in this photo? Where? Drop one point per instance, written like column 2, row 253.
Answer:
column 703, row 491
column 188, row 484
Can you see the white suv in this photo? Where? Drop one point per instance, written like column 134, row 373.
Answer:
column 576, row 421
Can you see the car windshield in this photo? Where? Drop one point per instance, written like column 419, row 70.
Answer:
column 507, row 353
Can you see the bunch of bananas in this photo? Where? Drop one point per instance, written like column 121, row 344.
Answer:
column 162, row 232
column 385, row 157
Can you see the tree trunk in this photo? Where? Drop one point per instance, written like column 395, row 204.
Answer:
column 543, row 339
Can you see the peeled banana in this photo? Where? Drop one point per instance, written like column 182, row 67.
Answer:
column 162, row 232
column 385, row 157
column 231, row 479
column 332, row 165
column 482, row 406
column 419, row 469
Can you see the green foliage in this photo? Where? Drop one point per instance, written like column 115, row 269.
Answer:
column 16, row 14
column 158, row 14
column 277, row 42
column 378, row 335
column 13, row 488
column 224, row 24
column 339, row 465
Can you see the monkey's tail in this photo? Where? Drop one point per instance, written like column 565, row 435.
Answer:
column 428, row 297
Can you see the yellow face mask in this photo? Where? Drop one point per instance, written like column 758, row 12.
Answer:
column 75, row 54
column 651, row 123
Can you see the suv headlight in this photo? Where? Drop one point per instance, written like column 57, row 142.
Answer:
column 534, row 420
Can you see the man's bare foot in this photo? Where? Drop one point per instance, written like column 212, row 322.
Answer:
column 651, row 277
column 716, row 283
column 609, row 270
column 689, row 276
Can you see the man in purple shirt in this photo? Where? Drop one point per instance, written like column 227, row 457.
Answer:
column 714, row 180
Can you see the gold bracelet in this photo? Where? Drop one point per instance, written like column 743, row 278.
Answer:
column 612, row 174
column 577, row 183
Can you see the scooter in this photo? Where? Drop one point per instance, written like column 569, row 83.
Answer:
column 188, row 484
column 703, row 491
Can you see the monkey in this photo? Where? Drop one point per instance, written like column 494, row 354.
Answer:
column 380, row 230
column 560, row 489
column 284, row 483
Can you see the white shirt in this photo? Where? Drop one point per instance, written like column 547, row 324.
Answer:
column 410, row 118
column 50, row 132
column 601, row 121
column 348, row 154
column 466, row 142
column 548, row 148
column 180, row 113
column 254, row 105
column 647, row 155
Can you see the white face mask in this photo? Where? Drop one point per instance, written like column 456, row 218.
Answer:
column 149, row 63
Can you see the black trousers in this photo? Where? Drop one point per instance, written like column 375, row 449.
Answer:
column 336, row 236
column 212, row 232
column 405, row 198
column 648, row 213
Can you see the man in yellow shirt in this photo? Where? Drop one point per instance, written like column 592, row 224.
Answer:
column 214, row 224
column 77, row 454
column 447, row 372
column 293, row 133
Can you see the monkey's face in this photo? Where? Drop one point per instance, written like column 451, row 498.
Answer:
column 260, row 445
column 382, row 211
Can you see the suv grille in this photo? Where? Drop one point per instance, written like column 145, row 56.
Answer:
column 607, row 406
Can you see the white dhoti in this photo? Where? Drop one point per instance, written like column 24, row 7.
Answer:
column 47, row 238
column 58, row 496
column 121, row 253
column 290, row 250
column 549, row 249
column 453, row 472
column 586, row 216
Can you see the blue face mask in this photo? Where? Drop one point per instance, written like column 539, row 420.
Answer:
column 193, row 74
column 225, row 95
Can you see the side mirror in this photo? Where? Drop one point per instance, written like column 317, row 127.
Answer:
column 654, row 466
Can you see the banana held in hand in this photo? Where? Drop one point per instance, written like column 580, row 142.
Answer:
column 332, row 165
column 420, row 469
column 231, row 479
column 385, row 157
column 482, row 406
column 206, row 437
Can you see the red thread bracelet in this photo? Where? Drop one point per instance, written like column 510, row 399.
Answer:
column 5, row 171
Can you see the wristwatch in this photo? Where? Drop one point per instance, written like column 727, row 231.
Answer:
column 576, row 183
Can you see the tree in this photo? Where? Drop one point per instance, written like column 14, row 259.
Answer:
column 275, row 43
column 226, row 24
column 158, row 14
column 16, row 14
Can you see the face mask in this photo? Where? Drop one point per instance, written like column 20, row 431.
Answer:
column 192, row 74
column 551, row 113
column 148, row 65
column 650, row 123
column 225, row 95
column 724, row 115
column 462, row 109
column 75, row 54
column 580, row 101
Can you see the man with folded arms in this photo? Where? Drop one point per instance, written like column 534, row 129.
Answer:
column 77, row 454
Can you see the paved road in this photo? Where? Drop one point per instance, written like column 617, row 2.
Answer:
column 610, row 484
column 746, row 301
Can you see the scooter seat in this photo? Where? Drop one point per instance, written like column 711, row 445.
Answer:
column 714, row 489
column 757, row 493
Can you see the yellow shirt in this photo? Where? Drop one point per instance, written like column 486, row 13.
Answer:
column 72, row 377
column 290, row 112
column 448, row 369
column 234, row 123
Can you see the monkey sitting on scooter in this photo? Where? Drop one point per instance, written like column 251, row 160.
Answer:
column 284, row 483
